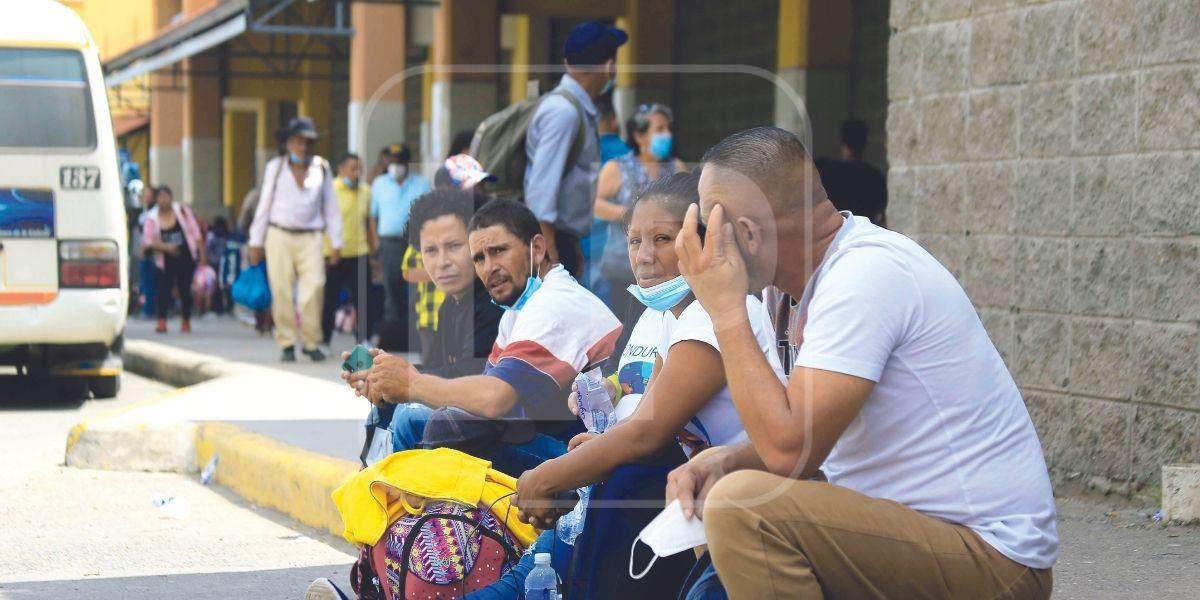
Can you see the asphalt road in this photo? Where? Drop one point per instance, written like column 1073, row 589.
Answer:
column 73, row 533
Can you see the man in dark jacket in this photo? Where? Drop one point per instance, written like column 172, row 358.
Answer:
column 467, row 319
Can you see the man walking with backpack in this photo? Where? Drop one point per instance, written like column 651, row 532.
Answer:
column 296, row 206
column 560, row 194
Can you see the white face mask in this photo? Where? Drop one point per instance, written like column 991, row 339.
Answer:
column 399, row 172
column 669, row 533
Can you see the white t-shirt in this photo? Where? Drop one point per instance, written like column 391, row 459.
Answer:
column 717, row 423
column 945, row 431
column 637, row 361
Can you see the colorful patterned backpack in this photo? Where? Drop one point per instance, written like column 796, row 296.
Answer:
column 443, row 553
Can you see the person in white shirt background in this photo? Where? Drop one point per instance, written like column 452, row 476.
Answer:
column 937, row 485
column 297, row 204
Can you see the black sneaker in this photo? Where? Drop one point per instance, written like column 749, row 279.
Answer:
column 289, row 354
column 315, row 354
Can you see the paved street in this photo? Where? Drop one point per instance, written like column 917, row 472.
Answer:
column 96, row 534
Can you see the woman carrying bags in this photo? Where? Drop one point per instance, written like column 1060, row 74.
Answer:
column 172, row 233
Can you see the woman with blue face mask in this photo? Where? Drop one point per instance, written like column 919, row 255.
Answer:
column 675, row 403
column 649, row 137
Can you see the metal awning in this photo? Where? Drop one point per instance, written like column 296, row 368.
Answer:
column 210, row 28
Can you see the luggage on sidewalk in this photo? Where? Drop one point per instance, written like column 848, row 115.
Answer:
column 446, row 551
column 499, row 144
column 430, row 524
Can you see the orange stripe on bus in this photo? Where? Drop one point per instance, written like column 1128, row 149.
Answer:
column 8, row 298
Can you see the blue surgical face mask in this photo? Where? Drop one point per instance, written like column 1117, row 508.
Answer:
column 661, row 297
column 350, row 183
column 660, row 145
column 533, row 284
column 296, row 160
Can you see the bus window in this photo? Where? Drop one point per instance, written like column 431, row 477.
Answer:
column 46, row 101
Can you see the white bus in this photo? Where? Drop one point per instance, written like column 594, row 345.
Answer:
column 63, row 285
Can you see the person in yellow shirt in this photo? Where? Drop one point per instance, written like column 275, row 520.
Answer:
column 350, row 272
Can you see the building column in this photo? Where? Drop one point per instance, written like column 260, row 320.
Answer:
column 378, row 53
column 166, row 132
column 466, row 32
column 793, row 61
column 651, row 28
column 201, row 137
column 814, row 59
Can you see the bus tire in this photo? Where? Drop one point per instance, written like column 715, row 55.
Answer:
column 107, row 386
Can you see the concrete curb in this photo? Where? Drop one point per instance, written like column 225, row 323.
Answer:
column 262, row 470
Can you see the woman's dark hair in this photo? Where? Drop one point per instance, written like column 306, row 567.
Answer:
column 163, row 189
column 514, row 216
column 676, row 193
column 640, row 122
column 461, row 142
column 441, row 202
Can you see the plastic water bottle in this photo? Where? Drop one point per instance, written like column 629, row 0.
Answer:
column 571, row 524
column 542, row 581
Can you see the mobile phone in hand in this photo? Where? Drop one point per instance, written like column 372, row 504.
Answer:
column 359, row 360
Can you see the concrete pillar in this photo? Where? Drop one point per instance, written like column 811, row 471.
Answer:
column 651, row 28
column 166, row 132
column 466, row 32
column 814, row 59
column 1181, row 492
column 166, row 114
column 377, row 54
column 200, row 147
column 793, row 61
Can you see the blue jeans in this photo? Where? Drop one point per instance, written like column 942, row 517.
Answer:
column 407, row 424
column 600, row 562
column 511, row 585
column 148, row 283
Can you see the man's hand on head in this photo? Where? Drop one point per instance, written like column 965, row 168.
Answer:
column 714, row 270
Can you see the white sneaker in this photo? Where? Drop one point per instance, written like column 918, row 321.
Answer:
column 323, row 589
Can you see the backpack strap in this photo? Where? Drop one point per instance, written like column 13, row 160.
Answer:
column 578, row 139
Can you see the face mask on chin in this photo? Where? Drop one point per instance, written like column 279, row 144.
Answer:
column 399, row 172
column 531, row 285
column 350, row 183
column 661, row 297
column 296, row 159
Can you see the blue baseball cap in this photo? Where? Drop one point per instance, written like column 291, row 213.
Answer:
column 593, row 42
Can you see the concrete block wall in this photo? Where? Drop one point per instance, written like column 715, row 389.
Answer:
column 1048, row 153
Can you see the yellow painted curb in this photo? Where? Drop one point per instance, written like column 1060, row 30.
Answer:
column 82, row 426
column 292, row 480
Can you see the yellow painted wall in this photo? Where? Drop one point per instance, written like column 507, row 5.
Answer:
column 116, row 26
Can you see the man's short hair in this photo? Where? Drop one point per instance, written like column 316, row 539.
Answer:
column 774, row 159
column 442, row 202
column 345, row 157
column 854, row 135
column 514, row 216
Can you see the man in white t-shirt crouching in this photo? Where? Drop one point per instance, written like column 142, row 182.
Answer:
column 937, row 486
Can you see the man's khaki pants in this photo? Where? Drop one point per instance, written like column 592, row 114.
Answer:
column 773, row 537
column 294, row 260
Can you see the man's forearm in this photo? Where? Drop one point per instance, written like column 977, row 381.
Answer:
column 479, row 394
column 760, row 399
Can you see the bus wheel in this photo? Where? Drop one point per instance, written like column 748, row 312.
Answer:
column 107, row 386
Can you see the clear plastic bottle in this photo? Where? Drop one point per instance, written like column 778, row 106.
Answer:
column 542, row 581
column 571, row 524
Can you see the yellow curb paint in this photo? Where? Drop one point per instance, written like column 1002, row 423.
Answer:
column 269, row 473
column 82, row 426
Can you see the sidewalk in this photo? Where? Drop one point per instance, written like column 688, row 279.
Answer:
column 287, row 435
